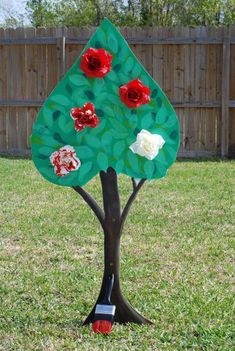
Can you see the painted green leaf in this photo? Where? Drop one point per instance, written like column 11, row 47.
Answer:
column 133, row 161
column 113, row 43
column 60, row 99
column 108, row 143
column 107, row 139
column 102, row 161
column 149, row 169
column 84, row 169
column 78, row 80
column 119, row 166
column 84, row 152
column 92, row 141
column 108, row 111
column 118, row 148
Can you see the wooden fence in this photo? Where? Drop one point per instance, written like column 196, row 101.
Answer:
column 194, row 66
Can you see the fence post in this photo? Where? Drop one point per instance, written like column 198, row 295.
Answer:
column 60, row 47
column 225, row 94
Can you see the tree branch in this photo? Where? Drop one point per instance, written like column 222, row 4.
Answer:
column 132, row 197
column 92, row 203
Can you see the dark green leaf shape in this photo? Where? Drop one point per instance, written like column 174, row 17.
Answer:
column 56, row 115
column 68, row 89
column 99, row 112
column 107, row 145
column 117, row 68
column 90, row 95
column 154, row 93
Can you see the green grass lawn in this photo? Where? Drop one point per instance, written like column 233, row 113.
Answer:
column 176, row 261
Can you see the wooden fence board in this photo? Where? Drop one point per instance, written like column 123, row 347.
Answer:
column 225, row 94
column 158, row 60
column 3, row 141
column 186, row 62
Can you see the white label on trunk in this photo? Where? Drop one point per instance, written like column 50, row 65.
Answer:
column 105, row 309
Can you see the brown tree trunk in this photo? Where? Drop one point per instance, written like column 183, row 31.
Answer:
column 112, row 235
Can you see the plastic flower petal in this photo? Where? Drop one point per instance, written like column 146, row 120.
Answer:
column 64, row 160
column 96, row 63
column 84, row 116
column 147, row 144
column 134, row 93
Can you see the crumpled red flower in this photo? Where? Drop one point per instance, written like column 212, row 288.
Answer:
column 134, row 93
column 64, row 160
column 84, row 117
column 96, row 63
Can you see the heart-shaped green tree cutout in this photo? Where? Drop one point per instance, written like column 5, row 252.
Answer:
column 106, row 112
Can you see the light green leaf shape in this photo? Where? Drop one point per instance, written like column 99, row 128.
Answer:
column 60, row 99
column 85, row 169
column 102, row 161
column 109, row 111
column 129, row 64
column 119, row 166
column 113, row 43
column 92, row 141
column 107, row 139
column 78, row 80
column 108, row 144
column 84, row 152
column 149, row 169
column 65, row 125
column 133, row 161
column 118, row 148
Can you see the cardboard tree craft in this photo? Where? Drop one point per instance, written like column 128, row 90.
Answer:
column 106, row 116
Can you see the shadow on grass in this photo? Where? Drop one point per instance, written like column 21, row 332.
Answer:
column 16, row 157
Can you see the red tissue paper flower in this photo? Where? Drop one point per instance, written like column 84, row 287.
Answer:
column 96, row 63
column 84, row 116
column 134, row 93
column 64, row 160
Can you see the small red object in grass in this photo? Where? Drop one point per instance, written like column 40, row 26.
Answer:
column 102, row 327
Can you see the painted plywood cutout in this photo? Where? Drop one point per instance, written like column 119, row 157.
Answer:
column 107, row 111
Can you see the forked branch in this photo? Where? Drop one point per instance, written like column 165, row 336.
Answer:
column 92, row 204
column 136, row 189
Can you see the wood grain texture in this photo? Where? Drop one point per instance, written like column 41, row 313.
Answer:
column 190, row 65
column 225, row 93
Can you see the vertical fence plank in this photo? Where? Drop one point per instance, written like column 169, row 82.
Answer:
column 3, row 141
column 3, row 111
column 232, row 97
column 11, row 69
column 158, row 58
column 187, row 91
column 225, row 94
column 60, row 47
column 73, row 50
column 20, row 62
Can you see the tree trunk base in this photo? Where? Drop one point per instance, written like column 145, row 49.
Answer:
column 125, row 313
column 112, row 221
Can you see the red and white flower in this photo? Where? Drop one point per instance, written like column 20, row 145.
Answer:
column 64, row 161
column 84, row 116
column 96, row 63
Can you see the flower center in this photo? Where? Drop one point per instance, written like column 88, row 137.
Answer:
column 94, row 63
column 133, row 94
column 88, row 113
column 147, row 145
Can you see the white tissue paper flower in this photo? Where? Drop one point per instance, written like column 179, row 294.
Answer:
column 147, row 144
